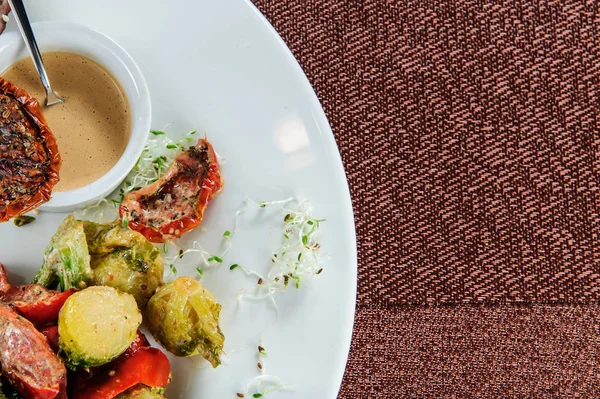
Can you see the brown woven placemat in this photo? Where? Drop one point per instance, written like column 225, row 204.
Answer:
column 470, row 136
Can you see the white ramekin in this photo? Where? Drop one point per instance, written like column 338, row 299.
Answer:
column 63, row 36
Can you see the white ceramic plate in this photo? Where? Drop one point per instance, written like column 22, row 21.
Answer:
column 220, row 68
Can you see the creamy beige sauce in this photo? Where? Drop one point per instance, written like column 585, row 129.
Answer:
column 92, row 126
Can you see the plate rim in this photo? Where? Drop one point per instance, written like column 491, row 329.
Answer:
column 325, row 130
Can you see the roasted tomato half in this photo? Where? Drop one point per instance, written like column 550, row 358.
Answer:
column 175, row 203
column 29, row 158
column 28, row 361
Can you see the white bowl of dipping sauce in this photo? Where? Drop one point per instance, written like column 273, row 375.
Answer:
column 102, row 127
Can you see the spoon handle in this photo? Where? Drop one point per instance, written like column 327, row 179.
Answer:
column 20, row 15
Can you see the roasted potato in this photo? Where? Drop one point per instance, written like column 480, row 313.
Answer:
column 96, row 325
column 124, row 259
column 184, row 317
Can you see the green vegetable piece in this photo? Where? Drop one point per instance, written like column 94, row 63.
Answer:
column 184, row 317
column 23, row 220
column 124, row 259
column 141, row 391
column 66, row 258
column 96, row 325
column 157, row 132
column 305, row 240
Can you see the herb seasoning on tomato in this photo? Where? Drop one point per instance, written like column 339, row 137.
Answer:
column 175, row 203
column 29, row 158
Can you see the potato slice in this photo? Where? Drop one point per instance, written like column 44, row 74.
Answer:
column 96, row 325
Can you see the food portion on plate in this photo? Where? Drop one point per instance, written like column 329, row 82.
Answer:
column 175, row 203
column 84, row 253
column 184, row 317
column 28, row 362
column 80, row 316
column 98, row 282
column 29, row 157
column 77, row 324
column 82, row 343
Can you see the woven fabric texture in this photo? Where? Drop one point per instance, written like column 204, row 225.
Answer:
column 469, row 133
column 475, row 351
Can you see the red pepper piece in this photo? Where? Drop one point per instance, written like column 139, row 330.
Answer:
column 44, row 310
column 80, row 377
column 148, row 366
column 51, row 334
column 35, row 302
column 139, row 342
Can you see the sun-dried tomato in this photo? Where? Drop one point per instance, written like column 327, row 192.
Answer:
column 175, row 203
column 29, row 158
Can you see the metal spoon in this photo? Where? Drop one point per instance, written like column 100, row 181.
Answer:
column 25, row 27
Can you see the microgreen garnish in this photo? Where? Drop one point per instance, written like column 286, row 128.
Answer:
column 296, row 258
column 263, row 383
column 305, row 240
column 262, row 350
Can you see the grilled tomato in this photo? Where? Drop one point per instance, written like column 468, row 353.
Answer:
column 29, row 158
column 175, row 203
